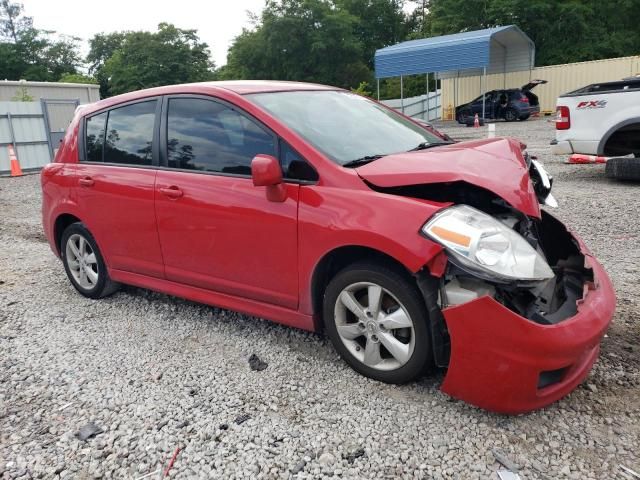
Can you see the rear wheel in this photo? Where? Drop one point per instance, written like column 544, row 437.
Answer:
column 377, row 321
column 623, row 168
column 84, row 264
column 510, row 115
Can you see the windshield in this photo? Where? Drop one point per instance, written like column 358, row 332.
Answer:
column 344, row 126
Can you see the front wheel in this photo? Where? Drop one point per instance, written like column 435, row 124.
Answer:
column 377, row 321
column 84, row 264
column 462, row 116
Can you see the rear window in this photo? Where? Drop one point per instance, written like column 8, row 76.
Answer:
column 129, row 134
column 95, row 137
column 122, row 135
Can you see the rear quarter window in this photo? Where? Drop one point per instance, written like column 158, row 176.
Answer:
column 94, row 139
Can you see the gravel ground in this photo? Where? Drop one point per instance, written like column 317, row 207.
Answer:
column 155, row 373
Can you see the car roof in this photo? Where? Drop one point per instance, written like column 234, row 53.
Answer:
column 262, row 86
column 240, row 87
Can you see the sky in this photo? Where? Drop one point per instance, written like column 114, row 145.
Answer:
column 217, row 21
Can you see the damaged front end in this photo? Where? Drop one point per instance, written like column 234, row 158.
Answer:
column 517, row 304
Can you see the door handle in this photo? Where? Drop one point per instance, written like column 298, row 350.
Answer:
column 171, row 192
column 86, row 181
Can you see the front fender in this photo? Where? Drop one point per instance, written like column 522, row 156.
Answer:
column 387, row 223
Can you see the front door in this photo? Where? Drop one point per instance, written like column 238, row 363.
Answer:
column 217, row 230
column 115, row 186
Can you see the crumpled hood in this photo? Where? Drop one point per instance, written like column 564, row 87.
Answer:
column 495, row 164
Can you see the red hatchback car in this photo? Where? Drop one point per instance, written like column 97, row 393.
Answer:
column 323, row 210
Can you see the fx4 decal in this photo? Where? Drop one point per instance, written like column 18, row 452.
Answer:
column 592, row 104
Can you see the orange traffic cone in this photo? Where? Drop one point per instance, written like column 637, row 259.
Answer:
column 476, row 122
column 16, row 171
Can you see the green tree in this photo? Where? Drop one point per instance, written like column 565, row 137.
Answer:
column 77, row 78
column 128, row 61
column 303, row 40
column 563, row 31
column 378, row 23
column 32, row 54
column 22, row 95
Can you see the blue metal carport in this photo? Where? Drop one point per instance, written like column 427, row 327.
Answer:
column 489, row 51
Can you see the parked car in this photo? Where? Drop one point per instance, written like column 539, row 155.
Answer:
column 510, row 104
column 323, row 210
column 602, row 119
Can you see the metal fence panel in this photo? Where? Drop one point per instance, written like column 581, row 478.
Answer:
column 22, row 123
column 426, row 108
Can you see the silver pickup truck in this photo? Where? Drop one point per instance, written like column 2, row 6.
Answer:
column 602, row 119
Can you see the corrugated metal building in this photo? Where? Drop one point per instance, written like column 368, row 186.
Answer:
column 495, row 51
column 83, row 92
column 561, row 79
column 35, row 127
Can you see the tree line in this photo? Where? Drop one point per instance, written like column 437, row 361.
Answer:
column 322, row 41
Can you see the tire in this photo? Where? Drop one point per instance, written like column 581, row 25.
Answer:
column 366, row 341
column 623, row 168
column 78, row 243
column 524, row 117
column 462, row 116
column 510, row 115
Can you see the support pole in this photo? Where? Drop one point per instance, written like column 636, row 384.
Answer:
column 456, row 82
column 428, row 102
column 484, row 88
column 401, row 94
column 378, row 81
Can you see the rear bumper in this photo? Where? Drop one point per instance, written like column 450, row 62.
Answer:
column 562, row 147
column 497, row 356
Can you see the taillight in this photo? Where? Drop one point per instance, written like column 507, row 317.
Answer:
column 563, row 118
column 525, row 99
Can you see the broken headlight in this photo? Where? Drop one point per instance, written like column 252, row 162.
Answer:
column 482, row 245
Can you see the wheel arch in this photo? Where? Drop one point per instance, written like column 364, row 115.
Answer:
column 61, row 223
column 607, row 137
column 337, row 259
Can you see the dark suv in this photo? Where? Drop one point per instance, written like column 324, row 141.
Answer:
column 511, row 104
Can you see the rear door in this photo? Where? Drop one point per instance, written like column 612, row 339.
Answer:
column 115, row 180
column 217, row 230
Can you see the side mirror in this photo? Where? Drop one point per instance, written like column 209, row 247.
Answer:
column 266, row 172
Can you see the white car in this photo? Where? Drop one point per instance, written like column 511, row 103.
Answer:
column 602, row 119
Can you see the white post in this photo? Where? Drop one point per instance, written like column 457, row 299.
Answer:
column 378, row 88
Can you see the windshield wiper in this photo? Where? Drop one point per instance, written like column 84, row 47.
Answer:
column 362, row 160
column 425, row 145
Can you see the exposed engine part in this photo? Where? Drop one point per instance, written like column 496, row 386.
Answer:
column 461, row 290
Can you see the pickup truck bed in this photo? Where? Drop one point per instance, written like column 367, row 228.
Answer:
column 600, row 119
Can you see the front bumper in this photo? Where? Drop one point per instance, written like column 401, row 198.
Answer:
column 497, row 356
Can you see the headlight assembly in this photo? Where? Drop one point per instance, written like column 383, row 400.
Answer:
column 485, row 246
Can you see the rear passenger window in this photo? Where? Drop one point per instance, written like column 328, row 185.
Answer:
column 211, row 137
column 95, row 137
column 129, row 134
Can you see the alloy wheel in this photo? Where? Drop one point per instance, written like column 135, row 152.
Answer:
column 374, row 326
column 82, row 261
